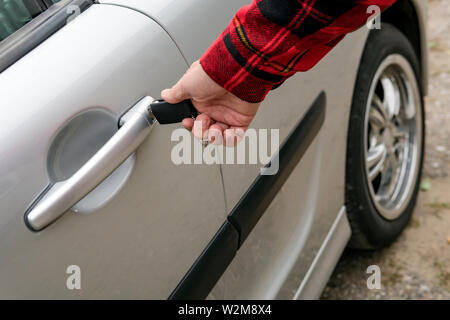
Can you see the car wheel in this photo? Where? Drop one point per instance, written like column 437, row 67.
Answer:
column 385, row 140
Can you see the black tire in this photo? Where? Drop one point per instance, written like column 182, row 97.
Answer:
column 370, row 230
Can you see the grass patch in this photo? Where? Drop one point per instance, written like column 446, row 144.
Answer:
column 443, row 274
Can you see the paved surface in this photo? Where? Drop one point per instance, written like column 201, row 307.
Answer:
column 417, row 266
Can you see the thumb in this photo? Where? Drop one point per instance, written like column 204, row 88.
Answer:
column 176, row 94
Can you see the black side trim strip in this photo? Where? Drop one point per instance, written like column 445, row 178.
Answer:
column 217, row 256
column 36, row 31
column 209, row 267
column 258, row 197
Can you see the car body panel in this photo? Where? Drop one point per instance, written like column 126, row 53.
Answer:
column 278, row 253
column 329, row 253
column 276, row 256
column 139, row 244
column 192, row 24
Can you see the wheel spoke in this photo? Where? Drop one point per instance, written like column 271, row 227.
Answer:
column 378, row 116
column 376, row 119
column 391, row 95
column 375, row 155
column 373, row 173
column 374, row 138
column 399, row 134
column 376, row 161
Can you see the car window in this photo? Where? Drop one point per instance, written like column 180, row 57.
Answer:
column 14, row 14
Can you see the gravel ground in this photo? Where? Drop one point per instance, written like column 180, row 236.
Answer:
column 417, row 265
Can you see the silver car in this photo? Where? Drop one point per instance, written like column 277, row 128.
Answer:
column 91, row 205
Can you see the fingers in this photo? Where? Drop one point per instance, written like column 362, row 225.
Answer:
column 177, row 93
column 205, row 128
column 215, row 133
column 201, row 126
column 188, row 123
column 233, row 136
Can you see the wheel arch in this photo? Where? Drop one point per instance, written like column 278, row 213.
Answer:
column 410, row 17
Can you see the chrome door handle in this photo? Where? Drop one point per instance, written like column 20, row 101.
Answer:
column 135, row 126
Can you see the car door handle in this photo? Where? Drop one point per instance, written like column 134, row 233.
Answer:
column 135, row 125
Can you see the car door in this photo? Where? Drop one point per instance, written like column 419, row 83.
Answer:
column 306, row 220
column 280, row 248
column 69, row 72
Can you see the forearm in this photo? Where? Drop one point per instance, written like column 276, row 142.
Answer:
column 269, row 40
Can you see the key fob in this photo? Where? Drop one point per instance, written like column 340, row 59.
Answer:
column 167, row 113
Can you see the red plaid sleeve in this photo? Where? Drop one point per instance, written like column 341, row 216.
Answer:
column 270, row 40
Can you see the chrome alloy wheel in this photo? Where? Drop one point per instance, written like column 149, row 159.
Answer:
column 393, row 136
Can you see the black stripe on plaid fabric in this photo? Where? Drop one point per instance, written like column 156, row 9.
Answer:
column 243, row 63
column 294, row 60
column 281, row 12
column 242, row 34
column 338, row 8
column 315, row 21
column 321, row 14
column 299, row 16
column 309, row 26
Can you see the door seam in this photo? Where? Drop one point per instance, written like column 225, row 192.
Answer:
column 156, row 21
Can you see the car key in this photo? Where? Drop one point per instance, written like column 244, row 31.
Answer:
column 167, row 113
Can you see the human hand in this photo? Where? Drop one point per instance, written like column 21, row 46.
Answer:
column 223, row 116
